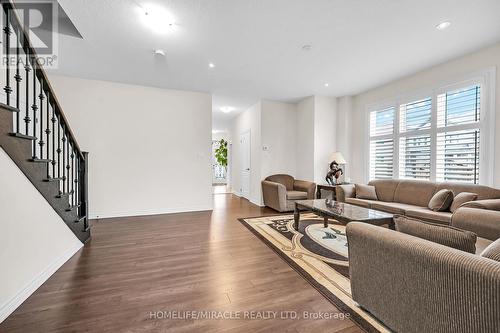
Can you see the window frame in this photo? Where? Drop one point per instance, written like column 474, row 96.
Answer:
column 486, row 79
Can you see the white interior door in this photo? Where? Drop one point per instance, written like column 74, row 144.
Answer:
column 245, row 164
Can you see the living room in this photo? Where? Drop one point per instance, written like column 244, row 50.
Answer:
column 357, row 190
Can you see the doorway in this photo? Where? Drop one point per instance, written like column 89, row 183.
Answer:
column 245, row 164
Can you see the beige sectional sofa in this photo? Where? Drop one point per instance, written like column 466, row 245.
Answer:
column 414, row 285
column 411, row 198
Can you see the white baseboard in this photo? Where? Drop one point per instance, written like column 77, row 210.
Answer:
column 11, row 305
column 257, row 203
column 147, row 212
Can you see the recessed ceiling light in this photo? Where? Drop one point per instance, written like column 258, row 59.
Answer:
column 327, row 85
column 211, row 65
column 443, row 25
column 226, row 109
column 307, row 48
column 160, row 53
column 157, row 19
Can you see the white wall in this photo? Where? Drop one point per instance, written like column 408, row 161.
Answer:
column 444, row 73
column 344, row 119
column 279, row 137
column 249, row 120
column 150, row 149
column 34, row 241
column 325, row 135
column 305, row 139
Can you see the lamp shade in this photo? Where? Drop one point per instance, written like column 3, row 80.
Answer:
column 338, row 157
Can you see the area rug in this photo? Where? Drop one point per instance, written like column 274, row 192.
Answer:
column 317, row 253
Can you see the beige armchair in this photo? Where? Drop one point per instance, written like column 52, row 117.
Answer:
column 281, row 191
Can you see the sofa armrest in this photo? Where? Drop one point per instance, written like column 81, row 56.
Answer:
column 274, row 195
column 413, row 285
column 490, row 204
column 485, row 223
column 305, row 186
column 345, row 191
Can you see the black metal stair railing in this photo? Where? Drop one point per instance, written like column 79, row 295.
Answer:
column 44, row 121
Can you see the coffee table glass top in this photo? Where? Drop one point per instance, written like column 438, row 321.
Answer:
column 346, row 211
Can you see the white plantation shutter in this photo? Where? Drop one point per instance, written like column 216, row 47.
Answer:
column 415, row 157
column 458, row 156
column 382, row 159
column 458, row 148
column 459, row 107
column 439, row 138
column 415, row 116
column 382, row 122
column 382, row 143
column 414, row 148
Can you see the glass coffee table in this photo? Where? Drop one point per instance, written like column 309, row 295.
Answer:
column 342, row 212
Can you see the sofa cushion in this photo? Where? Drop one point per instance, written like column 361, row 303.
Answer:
column 492, row 251
column 296, row 195
column 482, row 244
column 483, row 192
column 392, row 207
column 426, row 214
column 437, row 233
column 490, row 204
column 385, row 188
column 462, row 198
column 441, row 201
column 414, row 192
column 360, row 202
column 367, row 192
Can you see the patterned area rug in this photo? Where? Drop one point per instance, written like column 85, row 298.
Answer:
column 319, row 254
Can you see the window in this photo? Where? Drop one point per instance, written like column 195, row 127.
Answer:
column 441, row 137
column 382, row 143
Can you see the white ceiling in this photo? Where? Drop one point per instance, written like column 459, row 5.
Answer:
column 256, row 45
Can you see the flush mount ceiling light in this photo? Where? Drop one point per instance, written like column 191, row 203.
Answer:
column 327, row 85
column 211, row 65
column 227, row 109
column 158, row 19
column 160, row 53
column 443, row 25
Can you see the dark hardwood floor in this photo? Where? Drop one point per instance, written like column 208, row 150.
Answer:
column 181, row 262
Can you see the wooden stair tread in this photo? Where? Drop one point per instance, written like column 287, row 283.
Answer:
column 22, row 136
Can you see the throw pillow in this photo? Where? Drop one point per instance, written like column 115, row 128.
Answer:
column 367, row 192
column 492, row 251
column 462, row 198
column 442, row 234
column 441, row 201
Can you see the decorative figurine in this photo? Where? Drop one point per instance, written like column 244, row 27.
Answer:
column 334, row 174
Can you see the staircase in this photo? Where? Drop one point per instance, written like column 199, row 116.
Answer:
column 35, row 133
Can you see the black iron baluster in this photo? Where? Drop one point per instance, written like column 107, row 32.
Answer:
column 7, row 33
column 27, row 68
column 34, row 107
column 77, row 183
column 68, row 179
column 64, row 158
column 18, row 78
column 47, row 133
column 41, row 143
column 53, row 139
column 85, row 190
column 59, row 125
column 72, row 175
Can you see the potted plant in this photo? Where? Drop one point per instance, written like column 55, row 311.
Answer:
column 221, row 153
